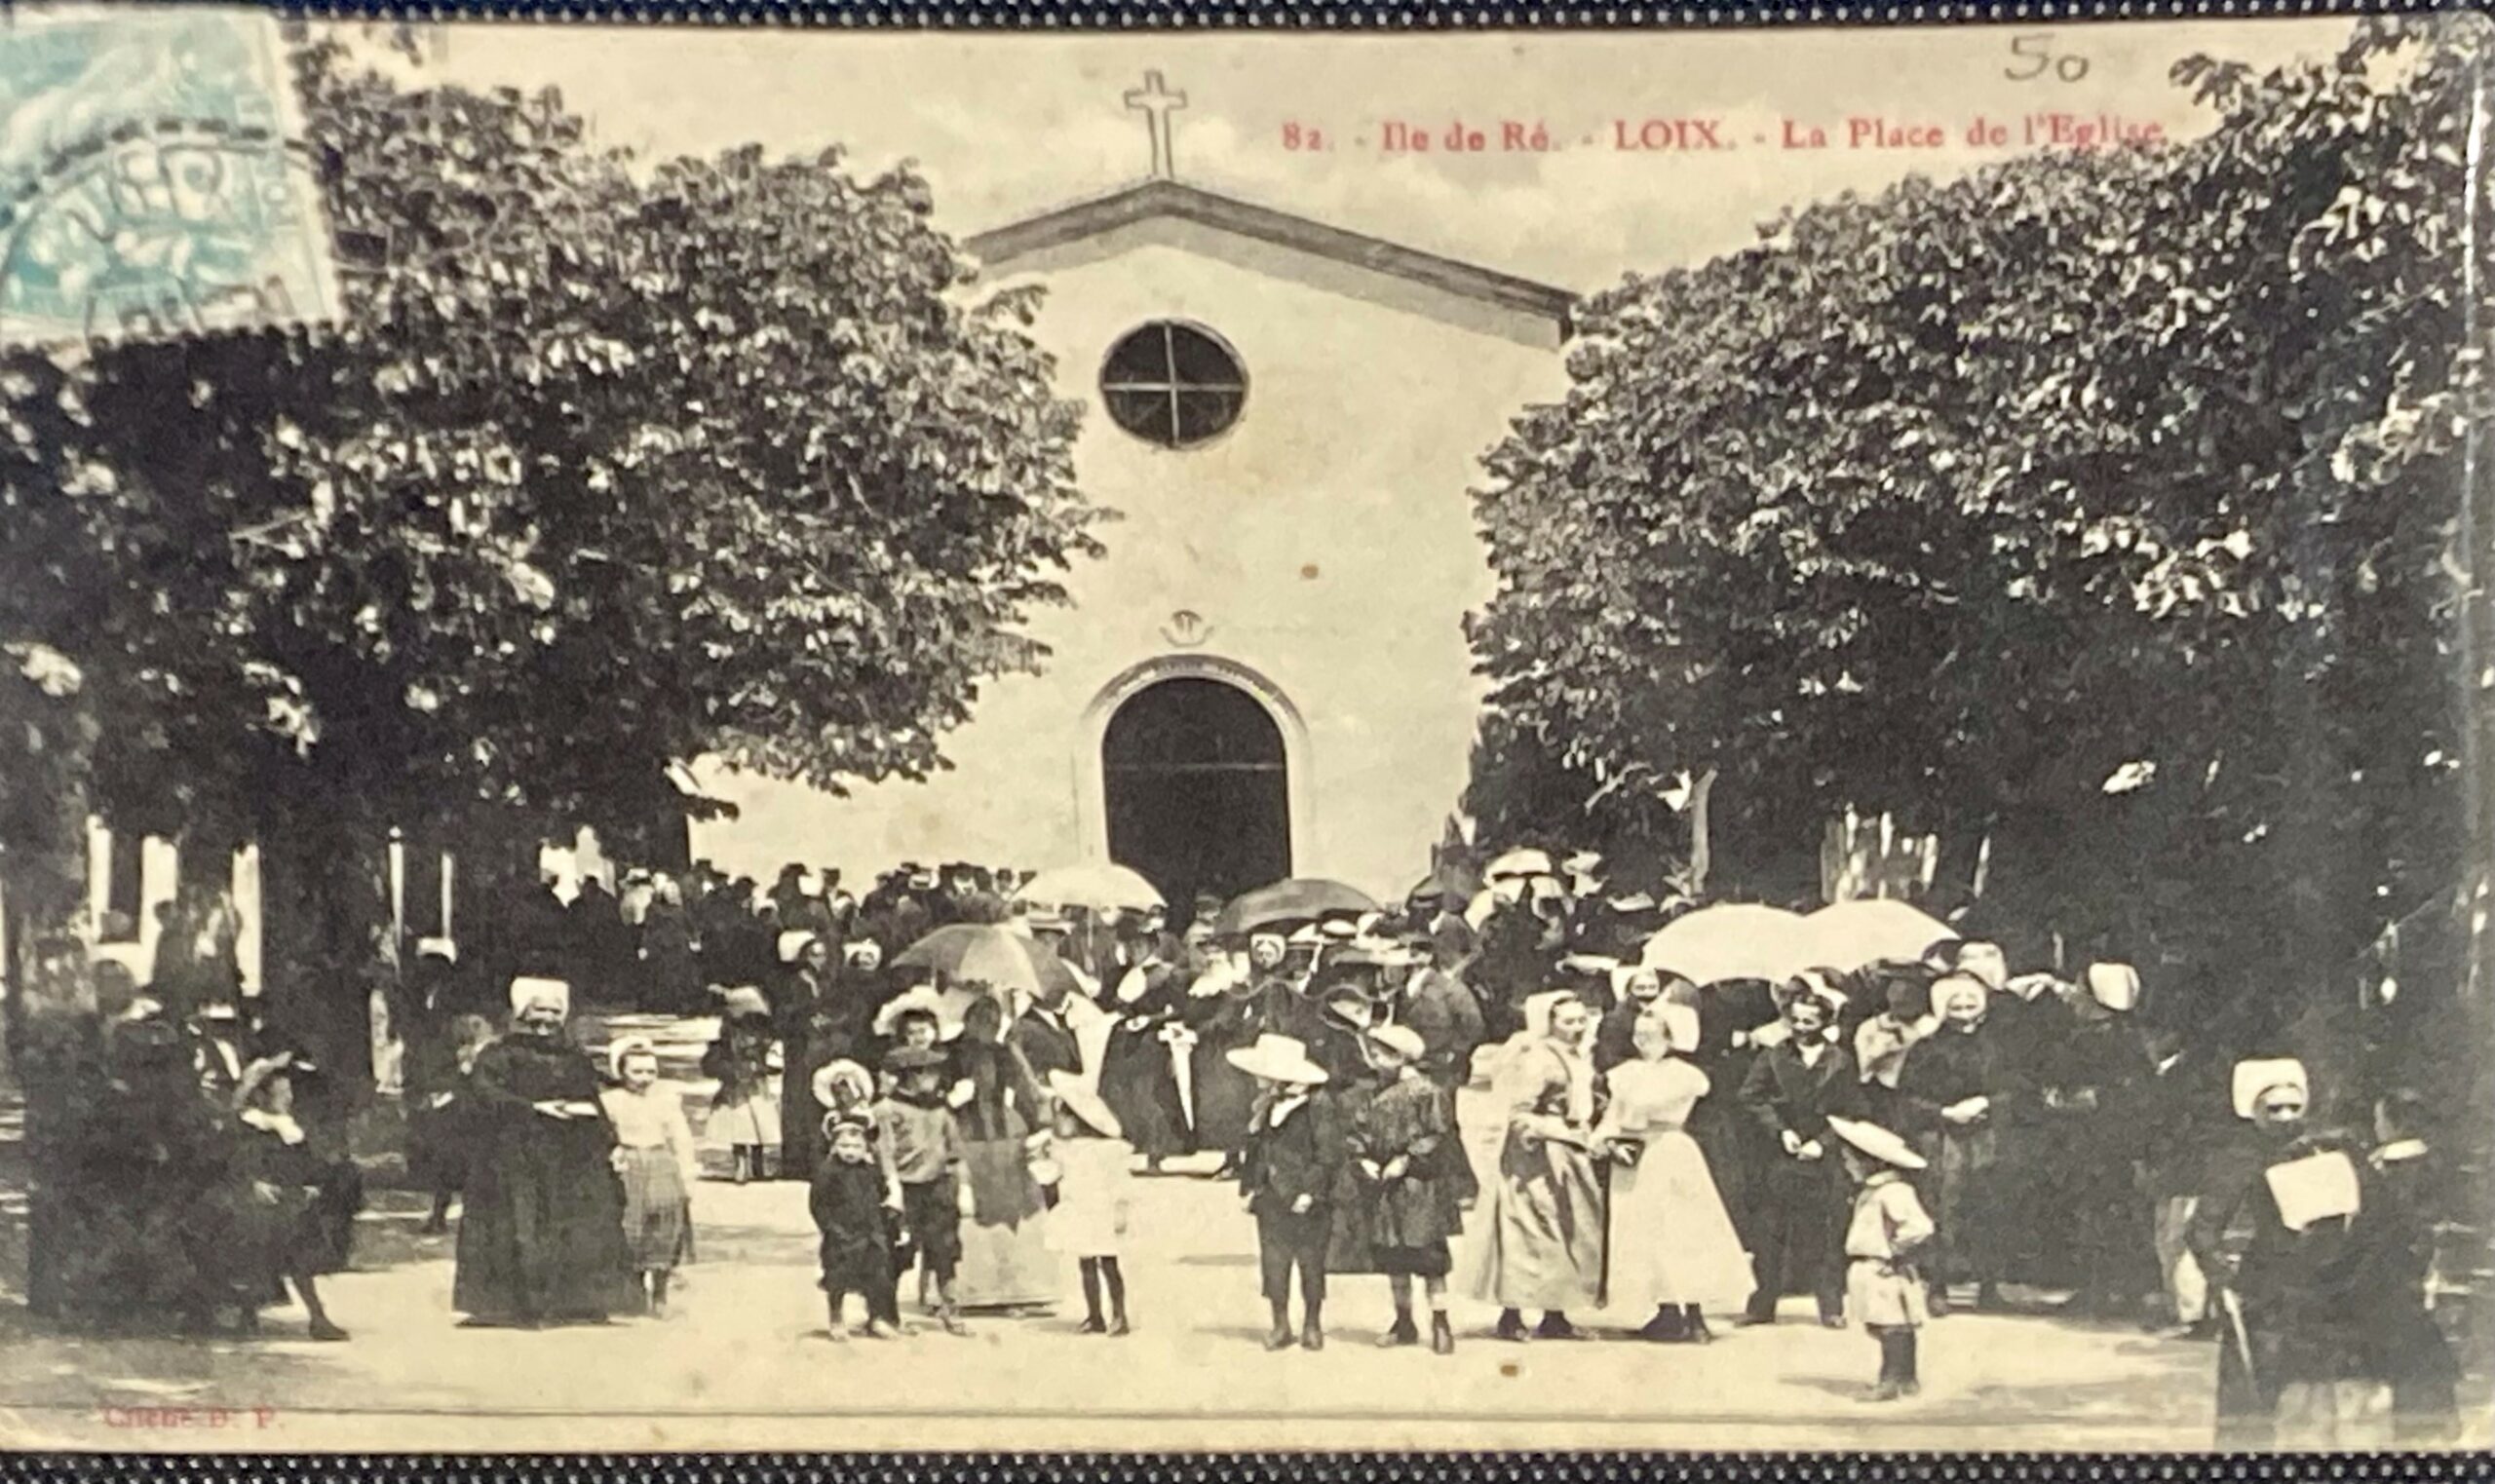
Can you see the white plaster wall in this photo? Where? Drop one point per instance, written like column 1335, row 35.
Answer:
column 1326, row 541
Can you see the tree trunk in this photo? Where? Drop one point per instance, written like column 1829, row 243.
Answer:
column 325, row 926
column 43, row 863
column 1701, row 846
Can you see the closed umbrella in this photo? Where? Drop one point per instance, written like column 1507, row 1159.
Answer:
column 1096, row 885
column 1731, row 940
column 1287, row 901
column 982, row 952
column 1848, row 934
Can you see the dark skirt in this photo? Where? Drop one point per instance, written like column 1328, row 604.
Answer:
column 542, row 1237
column 1140, row 1084
column 1431, row 1261
column 438, row 1147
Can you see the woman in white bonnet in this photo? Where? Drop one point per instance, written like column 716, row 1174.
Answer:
column 1956, row 1090
column 1671, row 1250
column 2270, row 1096
column 542, row 1238
column 1540, row 1244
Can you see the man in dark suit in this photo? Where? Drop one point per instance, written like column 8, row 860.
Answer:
column 1799, row 1216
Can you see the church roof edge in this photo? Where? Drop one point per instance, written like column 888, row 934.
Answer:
column 1147, row 200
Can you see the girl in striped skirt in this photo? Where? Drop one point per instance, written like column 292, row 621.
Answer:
column 655, row 1158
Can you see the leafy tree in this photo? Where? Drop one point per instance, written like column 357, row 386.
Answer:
column 2102, row 506
column 605, row 468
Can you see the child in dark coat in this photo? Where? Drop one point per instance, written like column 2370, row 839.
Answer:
column 1295, row 1150
column 850, row 1201
column 1404, row 1144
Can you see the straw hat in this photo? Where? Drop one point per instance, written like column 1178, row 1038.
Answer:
column 1401, row 1039
column 1075, row 1091
column 629, row 1045
column 792, row 943
column 917, row 997
column 1876, row 1142
column 744, row 999
column 257, row 1074
column 856, row 1118
column 1277, row 1058
column 832, row 1076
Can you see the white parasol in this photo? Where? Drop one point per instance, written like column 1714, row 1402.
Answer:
column 1731, row 940
column 1096, row 885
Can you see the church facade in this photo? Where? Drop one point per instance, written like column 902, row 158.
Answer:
column 1267, row 672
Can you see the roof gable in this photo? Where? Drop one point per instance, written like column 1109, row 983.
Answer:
column 1161, row 198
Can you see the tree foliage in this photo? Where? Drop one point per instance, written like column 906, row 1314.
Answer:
column 606, row 468
column 2103, row 505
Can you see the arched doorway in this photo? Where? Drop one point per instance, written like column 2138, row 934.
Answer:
column 1196, row 788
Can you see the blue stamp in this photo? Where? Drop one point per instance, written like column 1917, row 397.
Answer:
column 151, row 185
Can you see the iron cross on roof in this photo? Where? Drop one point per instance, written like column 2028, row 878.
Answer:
column 1155, row 100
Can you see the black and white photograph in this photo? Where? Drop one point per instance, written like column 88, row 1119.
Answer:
column 820, row 737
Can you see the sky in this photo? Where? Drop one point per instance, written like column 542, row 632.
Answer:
column 1008, row 126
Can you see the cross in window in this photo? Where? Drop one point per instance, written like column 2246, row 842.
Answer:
column 1155, row 99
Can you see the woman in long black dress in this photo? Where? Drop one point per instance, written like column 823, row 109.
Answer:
column 1138, row 1076
column 808, row 1022
column 1223, row 1010
column 542, row 1238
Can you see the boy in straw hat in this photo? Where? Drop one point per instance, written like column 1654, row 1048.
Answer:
column 1095, row 1190
column 1294, row 1152
column 1888, row 1224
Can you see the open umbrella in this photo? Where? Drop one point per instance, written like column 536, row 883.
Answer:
column 997, row 957
column 1849, row 935
column 1289, row 902
column 1731, row 940
column 1518, row 864
column 1093, row 884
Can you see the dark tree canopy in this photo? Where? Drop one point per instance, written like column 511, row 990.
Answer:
column 2103, row 504
column 607, row 468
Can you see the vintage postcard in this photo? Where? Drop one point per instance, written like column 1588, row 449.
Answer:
column 818, row 737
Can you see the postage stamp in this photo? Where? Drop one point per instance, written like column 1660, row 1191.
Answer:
column 151, row 177
column 1042, row 740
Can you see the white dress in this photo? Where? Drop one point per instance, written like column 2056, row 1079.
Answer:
column 1096, row 1183
column 1671, row 1240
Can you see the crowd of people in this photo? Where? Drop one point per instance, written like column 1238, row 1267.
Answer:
column 1893, row 1141
column 186, row 1163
